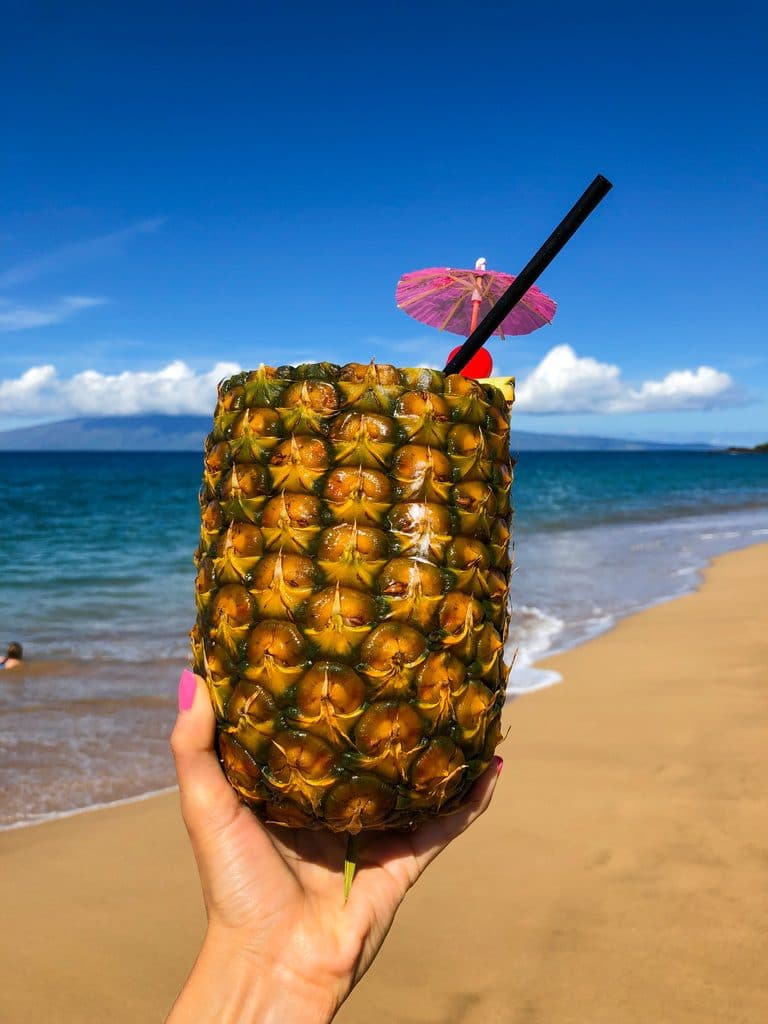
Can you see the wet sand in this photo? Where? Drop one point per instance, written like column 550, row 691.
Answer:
column 621, row 874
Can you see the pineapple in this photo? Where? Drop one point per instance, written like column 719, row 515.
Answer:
column 352, row 588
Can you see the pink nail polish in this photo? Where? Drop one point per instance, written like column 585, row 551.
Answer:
column 187, row 690
column 499, row 764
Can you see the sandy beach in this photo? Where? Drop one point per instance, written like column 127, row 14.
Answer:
column 620, row 875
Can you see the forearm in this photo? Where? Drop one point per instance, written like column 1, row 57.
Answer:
column 228, row 987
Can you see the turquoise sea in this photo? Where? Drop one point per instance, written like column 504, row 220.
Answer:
column 96, row 582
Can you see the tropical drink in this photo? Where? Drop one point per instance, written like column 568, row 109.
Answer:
column 352, row 590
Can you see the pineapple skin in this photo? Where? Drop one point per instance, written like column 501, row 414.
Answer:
column 352, row 590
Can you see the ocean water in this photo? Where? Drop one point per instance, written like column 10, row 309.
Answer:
column 96, row 580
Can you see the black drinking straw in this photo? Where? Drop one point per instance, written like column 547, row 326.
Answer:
column 564, row 231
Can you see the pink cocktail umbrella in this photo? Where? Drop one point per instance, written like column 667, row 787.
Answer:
column 452, row 300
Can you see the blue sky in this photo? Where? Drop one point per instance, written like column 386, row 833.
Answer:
column 202, row 185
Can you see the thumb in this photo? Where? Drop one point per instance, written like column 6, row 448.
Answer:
column 207, row 799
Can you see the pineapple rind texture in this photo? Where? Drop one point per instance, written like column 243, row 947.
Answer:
column 352, row 590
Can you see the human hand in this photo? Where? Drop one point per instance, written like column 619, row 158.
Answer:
column 281, row 945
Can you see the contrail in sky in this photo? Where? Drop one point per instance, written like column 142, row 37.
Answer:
column 77, row 252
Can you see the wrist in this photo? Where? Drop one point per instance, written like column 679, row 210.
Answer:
column 229, row 985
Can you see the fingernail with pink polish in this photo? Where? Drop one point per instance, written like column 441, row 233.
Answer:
column 187, row 690
column 499, row 764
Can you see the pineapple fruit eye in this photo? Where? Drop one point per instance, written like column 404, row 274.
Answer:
column 245, row 539
column 357, row 483
column 230, row 400
column 352, row 581
column 466, row 552
column 313, row 395
column 249, row 481
column 474, row 496
column 298, row 510
column 365, row 541
column 217, row 457
column 458, row 386
column 413, row 461
column 392, row 648
column 437, row 772
column 293, row 570
column 381, row 373
column 338, row 685
column 241, row 769
column 404, row 575
column 351, row 426
column 211, row 517
column 277, row 641
column 305, row 755
column 302, row 451
column 364, row 801
column 258, row 423
column 421, row 472
column 460, row 612
column 423, row 405
column 440, row 671
column 349, row 606
column 234, row 604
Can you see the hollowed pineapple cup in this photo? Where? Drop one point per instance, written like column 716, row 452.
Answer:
column 352, row 590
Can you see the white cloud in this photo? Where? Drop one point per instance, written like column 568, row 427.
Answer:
column 174, row 389
column 564, row 382
column 14, row 317
column 687, row 389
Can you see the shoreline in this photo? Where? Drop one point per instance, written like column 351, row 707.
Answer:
column 50, row 816
column 612, row 879
column 548, row 677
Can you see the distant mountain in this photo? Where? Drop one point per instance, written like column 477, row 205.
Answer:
column 111, row 433
column 524, row 441
column 186, row 433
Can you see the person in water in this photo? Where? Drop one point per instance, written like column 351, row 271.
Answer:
column 13, row 655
